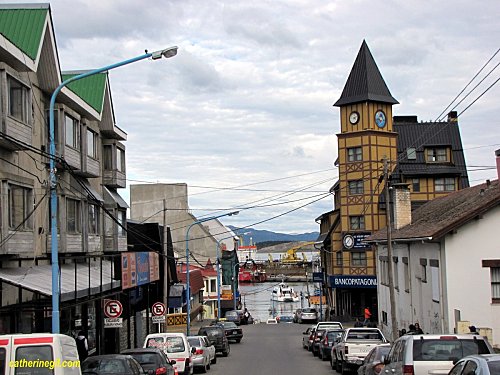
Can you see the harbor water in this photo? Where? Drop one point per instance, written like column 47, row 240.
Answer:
column 257, row 299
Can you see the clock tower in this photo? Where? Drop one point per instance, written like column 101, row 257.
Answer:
column 366, row 138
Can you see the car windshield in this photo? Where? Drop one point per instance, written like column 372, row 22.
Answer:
column 174, row 344
column 229, row 325
column 309, row 310
column 148, row 360
column 194, row 341
column 364, row 335
column 332, row 335
column 231, row 314
column 101, row 366
column 447, row 349
column 210, row 332
column 494, row 367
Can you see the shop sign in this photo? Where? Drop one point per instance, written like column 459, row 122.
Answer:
column 318, row 277
column 139, row 268
column 355, row 241
column 353, row 281
column 113, row 322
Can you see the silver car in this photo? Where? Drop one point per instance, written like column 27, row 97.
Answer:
column 308, row 315
column 204, row 353
column 486, row 364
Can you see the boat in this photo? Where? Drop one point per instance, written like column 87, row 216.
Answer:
column 251, row 272
column 284, row 293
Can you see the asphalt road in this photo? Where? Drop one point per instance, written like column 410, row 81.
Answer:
column 271, row 349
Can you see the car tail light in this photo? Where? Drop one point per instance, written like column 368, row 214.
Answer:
column 161, row 370
column 198, row 351
column 408, row 370
column 377, row 368
column 326, row 340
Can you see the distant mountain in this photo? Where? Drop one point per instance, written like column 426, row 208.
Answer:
column 268, row 236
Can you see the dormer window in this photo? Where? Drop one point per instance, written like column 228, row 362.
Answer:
column 436, row 155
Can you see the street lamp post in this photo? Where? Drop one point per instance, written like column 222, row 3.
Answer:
column 235, row 283
column 187, row 262
column 168, row 52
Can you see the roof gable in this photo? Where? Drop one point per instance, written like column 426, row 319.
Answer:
column 91, row 89
column 24, row 27
column 365, row 83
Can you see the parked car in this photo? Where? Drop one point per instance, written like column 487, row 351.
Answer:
column 318, row 335
column 235, row 316
column 305, row 337
column 216, row 337
column 421, row 354
column 329, row 325
column 271, row 321
column 352, row 348
column 175, row 346
column 311, row 338
column 152, row 360
column 119, row 364
column 485, row 364
column 374, row 361
column 326, row 343
column 285, row 318
column 308, row 315
column 233, row 332
column 202, row 356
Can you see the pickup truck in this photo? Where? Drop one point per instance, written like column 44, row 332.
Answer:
column 353, row 346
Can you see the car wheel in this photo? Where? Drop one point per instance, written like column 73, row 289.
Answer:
column 344, row 369
column 204, row 369
column 332, row 365
column 338, row 367
column 320, row 356
column 323, row 357
column 208, row 365
column 238, row 341
column 225, row 353
column 214, row 361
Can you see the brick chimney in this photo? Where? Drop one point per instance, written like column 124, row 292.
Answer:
column 497, row 153
column 402, row 205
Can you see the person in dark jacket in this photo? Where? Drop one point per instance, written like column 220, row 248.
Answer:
column 82, row 346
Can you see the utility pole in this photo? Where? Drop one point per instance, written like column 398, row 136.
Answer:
column 388, row 223
column 165, row 258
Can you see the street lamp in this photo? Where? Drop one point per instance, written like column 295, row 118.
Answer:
column 168, row 52
column 187, row 262
column 235, row 283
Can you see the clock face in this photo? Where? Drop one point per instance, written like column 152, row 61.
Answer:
column 354, row 117
column 348, row 241
column 380, row 119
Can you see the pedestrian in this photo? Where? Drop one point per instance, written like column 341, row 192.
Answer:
column 418, row 330
column 357, row 323
column 368, row 315
column 82, row 346
column 246, row 316
column 411, row 329
column 473, row 330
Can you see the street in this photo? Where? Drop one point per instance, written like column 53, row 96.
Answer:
column 271, row 349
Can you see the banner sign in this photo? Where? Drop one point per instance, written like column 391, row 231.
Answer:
column 355, row 241
column 353, row 281
column 139, row 268
column 317, row 277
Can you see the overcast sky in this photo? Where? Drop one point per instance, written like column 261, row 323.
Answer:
column 247, row 102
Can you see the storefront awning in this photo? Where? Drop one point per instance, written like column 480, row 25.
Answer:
column 92, row 193
column 116, row 197
column 86, row 282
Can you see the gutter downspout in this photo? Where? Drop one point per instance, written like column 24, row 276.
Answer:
column 442, row 276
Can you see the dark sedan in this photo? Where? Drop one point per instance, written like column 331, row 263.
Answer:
column 153, row 360
column 326, row 343
column 217, row 338
column 233, row 332
column 318, row 336
column 373, row 363
column 116, row 364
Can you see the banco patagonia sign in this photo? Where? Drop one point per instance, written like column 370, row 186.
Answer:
column 353, row 281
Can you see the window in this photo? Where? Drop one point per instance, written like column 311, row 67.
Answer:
column 93, row 219
column 444, row 184
column 358, row 259
column 396, row 272
column 407, row 276
column 108, row 157
column 356, row 187
column 42, row 353
column 438, row 154
column 435, row 283
column 495, row 283
column 20, row 207
column 72, row 132
column 354, row 154
column 415, row 184
column 356, row 222
column 213, row 286
column 91, row 144
column 423, row 272
column 384, row 270
column 411, row 153
column 120, row 160
column 73, row 216
column 19, row 100
column 121, row 216
column 340, row 259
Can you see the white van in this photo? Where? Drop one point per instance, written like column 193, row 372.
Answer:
column 38, row 353
column 176, row 346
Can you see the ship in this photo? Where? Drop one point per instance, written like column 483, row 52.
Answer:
column 251, row 272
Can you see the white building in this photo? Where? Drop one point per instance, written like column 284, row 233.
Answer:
column 446, row 262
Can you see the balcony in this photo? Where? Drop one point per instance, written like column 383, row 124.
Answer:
column 114, row 173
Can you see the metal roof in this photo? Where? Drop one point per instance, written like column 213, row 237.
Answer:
column 91, row 89
column 24, row 27
column 365, row 83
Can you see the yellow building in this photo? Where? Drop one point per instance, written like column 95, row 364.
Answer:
column 427, row 156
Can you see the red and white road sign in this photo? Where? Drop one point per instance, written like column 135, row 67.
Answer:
column 158, row 309
column 113, row 309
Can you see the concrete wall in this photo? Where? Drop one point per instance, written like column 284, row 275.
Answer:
column 147, row 202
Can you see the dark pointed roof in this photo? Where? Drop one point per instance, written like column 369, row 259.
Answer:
column 365, row 83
